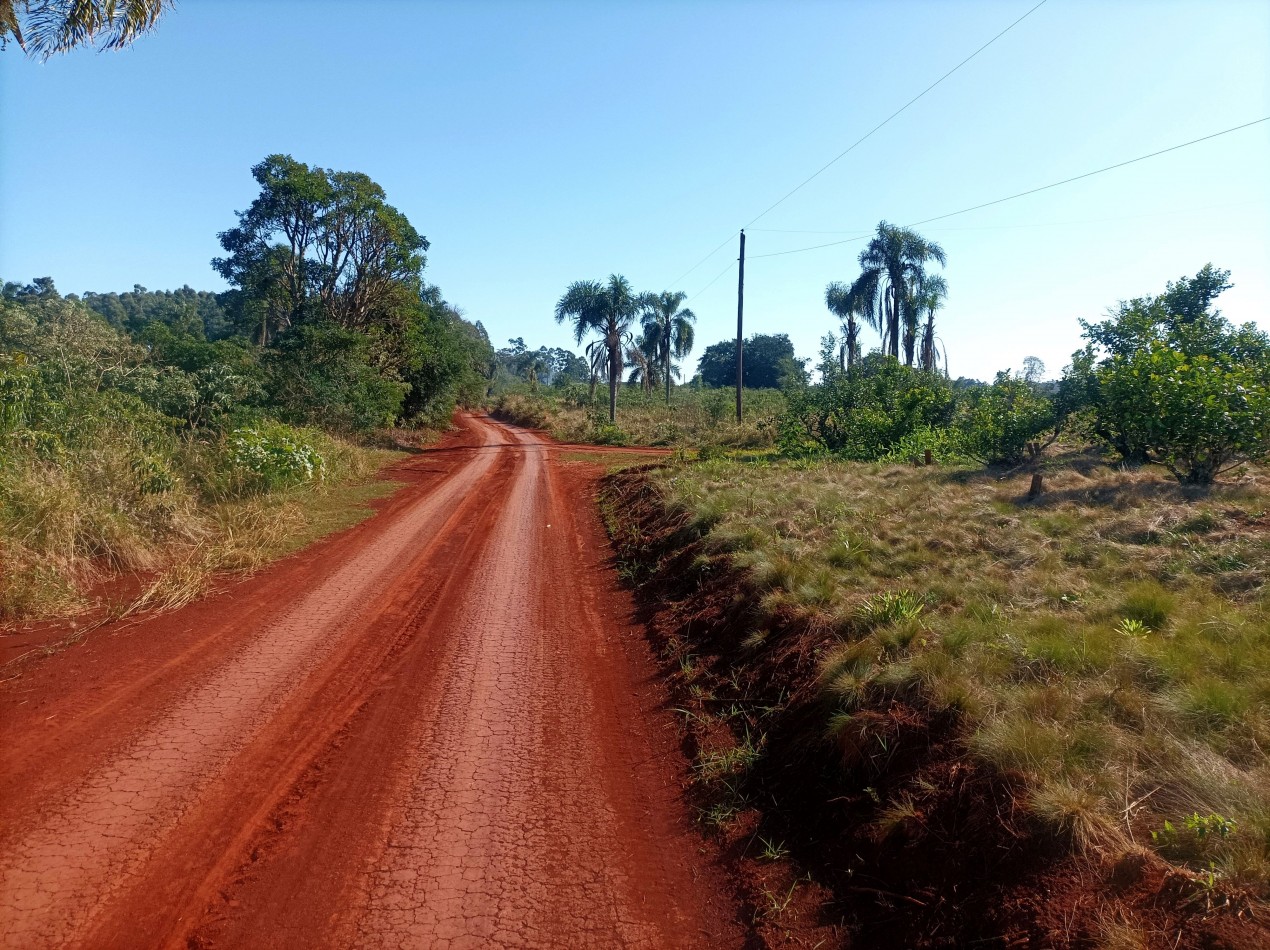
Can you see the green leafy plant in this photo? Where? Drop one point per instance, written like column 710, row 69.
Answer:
column 998, row 422
column 890, row 607
column 1168, row 380
column 1196, row 839
column 272, row 457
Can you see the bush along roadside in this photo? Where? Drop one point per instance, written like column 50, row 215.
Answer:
column 114, row 465
column 847, row 749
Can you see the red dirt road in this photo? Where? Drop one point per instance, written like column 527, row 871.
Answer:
column 437, row 729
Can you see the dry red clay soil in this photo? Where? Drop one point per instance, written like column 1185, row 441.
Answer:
column 436, row 729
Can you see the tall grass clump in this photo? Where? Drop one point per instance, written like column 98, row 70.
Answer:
column 99, row 474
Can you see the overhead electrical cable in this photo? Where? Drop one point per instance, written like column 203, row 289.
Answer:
column 893, row 115
column 713, row 282
column 726, row 241
column 863, row 138
column 1098, row 171
column 1031, row 191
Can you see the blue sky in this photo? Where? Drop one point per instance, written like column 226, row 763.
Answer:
column 540, row 143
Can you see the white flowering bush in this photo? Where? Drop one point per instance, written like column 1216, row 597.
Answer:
column 273, row 456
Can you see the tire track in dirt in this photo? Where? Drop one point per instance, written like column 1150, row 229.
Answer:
column 449, row 742
column 519, row 827
column 56, row 875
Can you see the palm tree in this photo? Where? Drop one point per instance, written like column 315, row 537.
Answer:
column 608, row 309
column 597, row 358
column 643, row 356
column 668, row 329
column 840, row 302
column 893, row 264
column 45, row 27
column 930, row 295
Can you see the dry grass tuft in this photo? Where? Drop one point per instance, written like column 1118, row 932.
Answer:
column 66, row 525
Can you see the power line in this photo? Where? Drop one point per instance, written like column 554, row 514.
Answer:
column 814, row 247
column 713, row 282
column 862, row 139
column 901, row 109
column 1033, row 224
column 800, row 231
column 1032, row 191
column 727, row 240
column 1099, row 171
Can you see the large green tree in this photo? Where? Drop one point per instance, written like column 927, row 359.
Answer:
column 317, row 243
column 45, row 27
column 893, row 266
column 668, row 330
column 769, row 363
column 608, row 309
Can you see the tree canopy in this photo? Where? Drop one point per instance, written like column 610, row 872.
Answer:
column 769, row 363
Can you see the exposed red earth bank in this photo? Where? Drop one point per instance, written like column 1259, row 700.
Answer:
column 439, row 728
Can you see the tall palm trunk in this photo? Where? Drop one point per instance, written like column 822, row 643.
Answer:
column 893, row 319
column 665, row 347
column 910, row 342
column 615, row 375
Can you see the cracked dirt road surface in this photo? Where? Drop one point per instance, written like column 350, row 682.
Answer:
column 437, row 729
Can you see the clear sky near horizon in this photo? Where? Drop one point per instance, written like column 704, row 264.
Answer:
column 540, row 143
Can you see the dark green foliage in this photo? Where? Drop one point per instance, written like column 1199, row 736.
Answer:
column 318, row 244
column 547, row 365
column 330, row 323
column 194, row 312
column 863, row 413
column 329, row 284
column 769, row 363
column 321, row 374
column 1168, row 380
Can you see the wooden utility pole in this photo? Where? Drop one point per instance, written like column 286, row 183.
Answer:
column 740, row 313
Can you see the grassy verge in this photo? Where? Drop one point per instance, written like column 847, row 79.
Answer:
column 696, row 418
column 69, row 523
column 928, row 651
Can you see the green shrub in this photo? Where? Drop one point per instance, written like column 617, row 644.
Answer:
column 269, row 457
column 946, row 446
column 864, row 413
column 1196, row 415
column 995, row 423
column 1168, row 380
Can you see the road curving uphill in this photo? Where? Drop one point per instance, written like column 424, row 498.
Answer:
column 437, row 729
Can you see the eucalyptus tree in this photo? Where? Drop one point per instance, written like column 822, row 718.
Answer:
column 668, row 330
column 608, row 309
column 930, row 295
column 45, row 27
column 893, row 264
